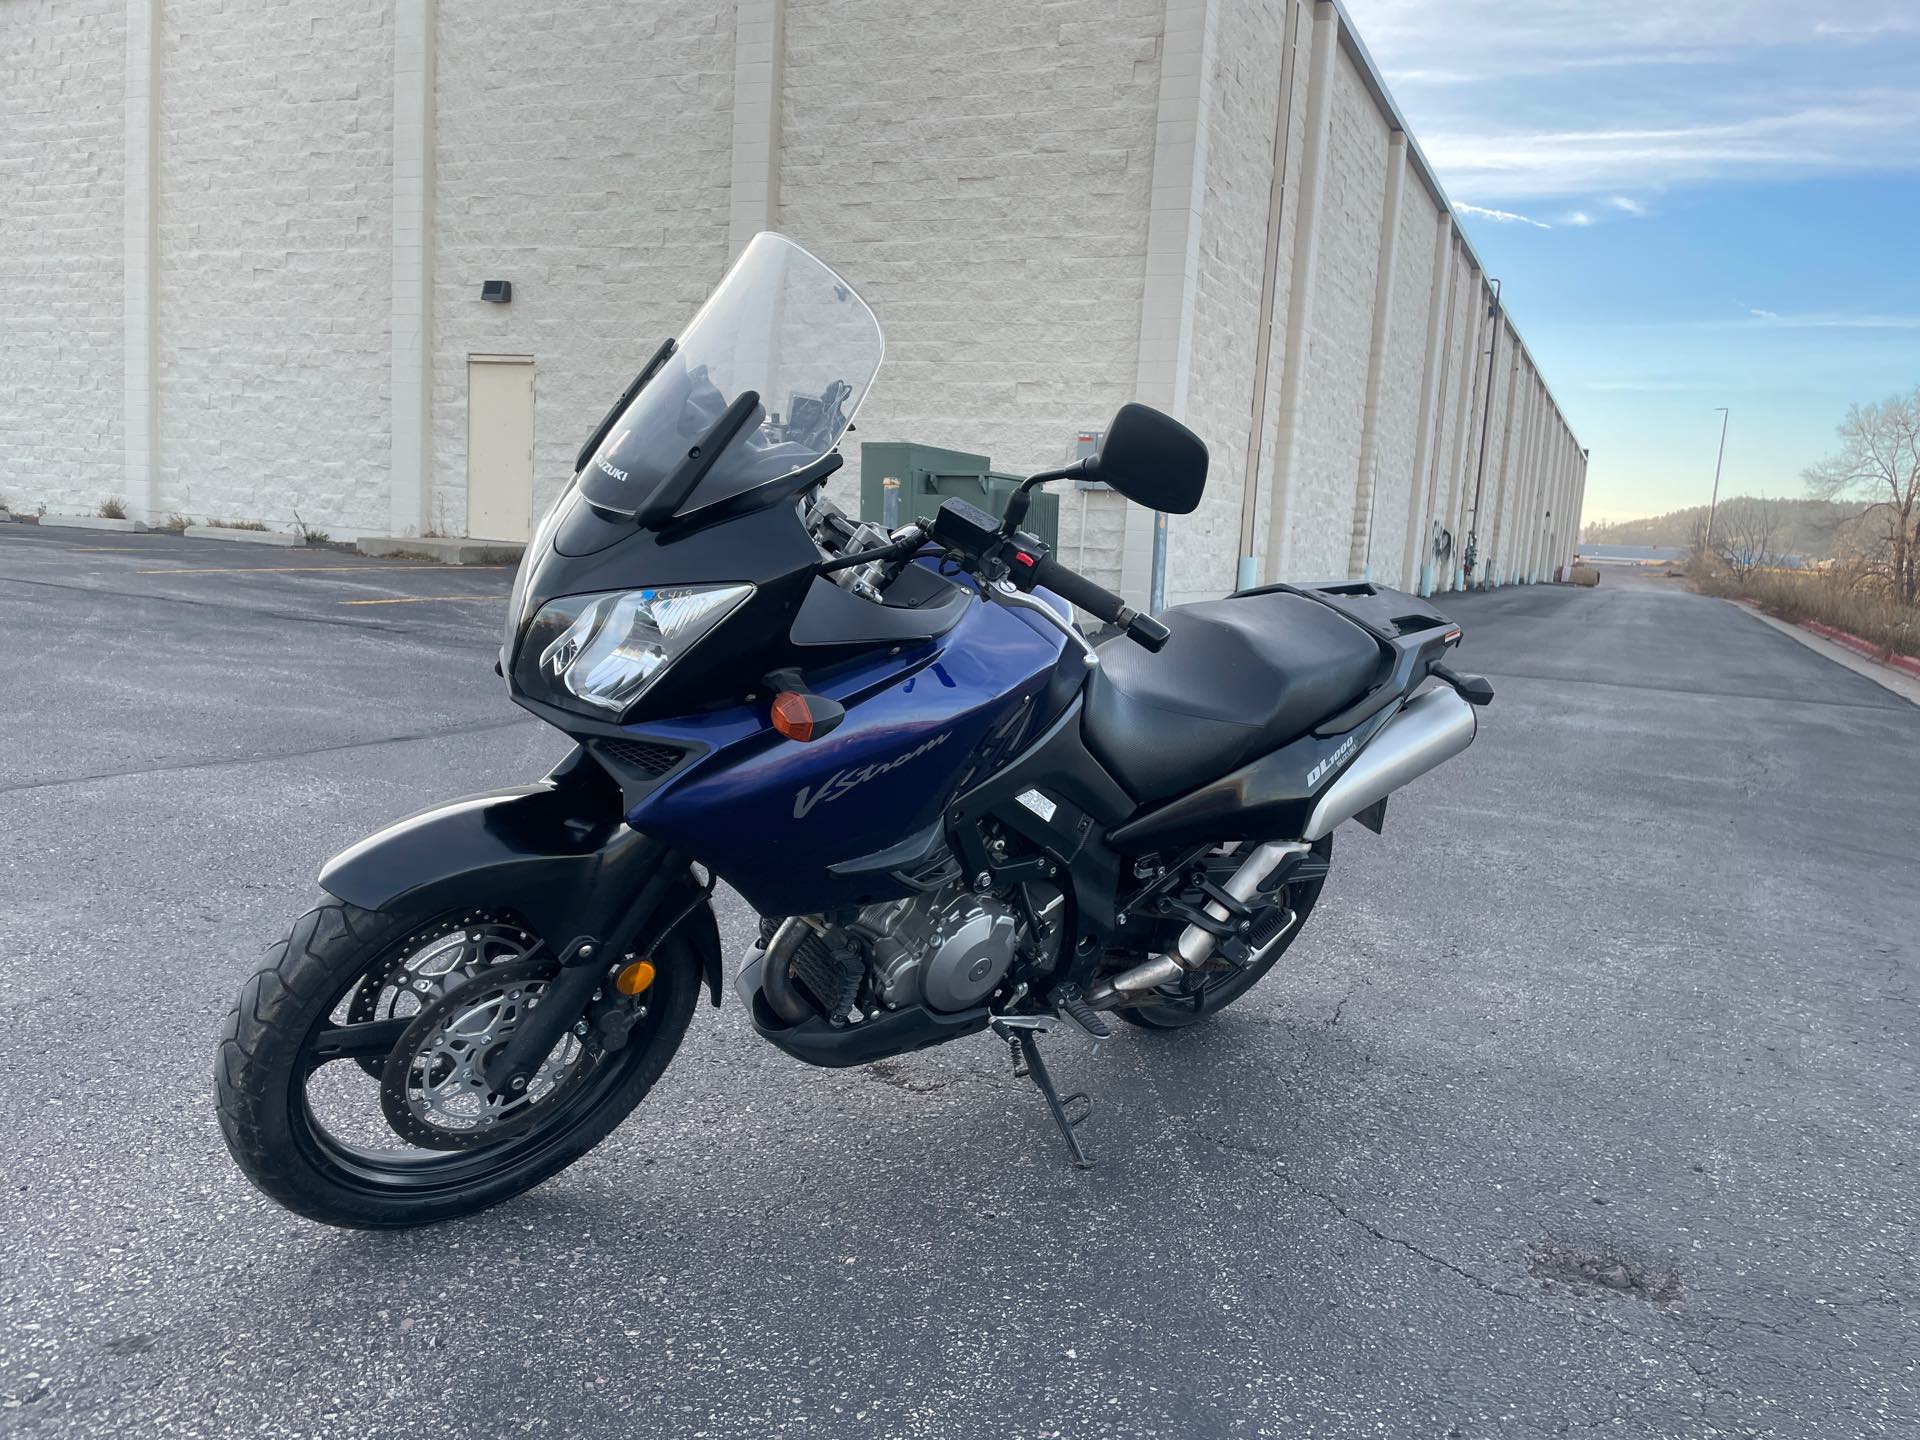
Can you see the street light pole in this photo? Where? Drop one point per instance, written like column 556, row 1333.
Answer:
column 1714, row 503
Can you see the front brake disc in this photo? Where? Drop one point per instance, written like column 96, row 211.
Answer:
column 433, row 1087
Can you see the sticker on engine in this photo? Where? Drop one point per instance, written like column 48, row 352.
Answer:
column 1037, row 803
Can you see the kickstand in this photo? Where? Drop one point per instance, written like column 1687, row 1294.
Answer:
column 1027, row 1064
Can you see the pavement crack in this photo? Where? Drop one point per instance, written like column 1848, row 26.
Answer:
column 1479, row 1282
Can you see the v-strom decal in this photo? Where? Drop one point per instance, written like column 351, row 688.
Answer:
column 841, row 781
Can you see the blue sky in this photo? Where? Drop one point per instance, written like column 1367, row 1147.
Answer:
column 1696, row 204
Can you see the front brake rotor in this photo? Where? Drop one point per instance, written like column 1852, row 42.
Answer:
column 429, row 964
column 433, row 1087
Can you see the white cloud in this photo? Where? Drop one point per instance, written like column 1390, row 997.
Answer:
column 1500, row 217
column 1833, row 321
column 1650, row 387
column 1647, row 97
column 1577, row 218
column 1762, row 314
column 1866, row 130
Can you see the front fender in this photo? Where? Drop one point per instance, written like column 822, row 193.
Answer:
column 557, row 852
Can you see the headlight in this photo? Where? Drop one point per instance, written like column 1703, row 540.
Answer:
column 603, row 651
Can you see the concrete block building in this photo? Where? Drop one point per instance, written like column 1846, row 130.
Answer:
column 243, row 247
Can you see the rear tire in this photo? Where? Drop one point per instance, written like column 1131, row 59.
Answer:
column 263, row 1070
column 1221, row 990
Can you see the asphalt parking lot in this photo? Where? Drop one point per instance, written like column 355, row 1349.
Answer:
column 1586, row 1103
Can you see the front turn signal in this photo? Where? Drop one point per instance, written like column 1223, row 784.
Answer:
column 799, row 715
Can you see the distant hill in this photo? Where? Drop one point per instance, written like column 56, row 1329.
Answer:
column 1807, row 527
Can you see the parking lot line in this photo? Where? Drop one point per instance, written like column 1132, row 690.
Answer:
column 420, row 599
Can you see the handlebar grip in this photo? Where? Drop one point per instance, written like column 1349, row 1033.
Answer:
column 1096, row 600
column 1100, row 602
column 1147, row 631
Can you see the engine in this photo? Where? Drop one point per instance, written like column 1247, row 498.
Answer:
column 947, row 950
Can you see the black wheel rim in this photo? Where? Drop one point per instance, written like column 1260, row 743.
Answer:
column 422, row 1173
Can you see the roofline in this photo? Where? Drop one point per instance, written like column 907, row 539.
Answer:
column 1356, row 51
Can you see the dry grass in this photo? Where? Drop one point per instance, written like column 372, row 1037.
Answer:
column 113, row 508
column 1860, row 605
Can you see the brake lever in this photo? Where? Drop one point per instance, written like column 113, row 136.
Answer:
column 1006, row 594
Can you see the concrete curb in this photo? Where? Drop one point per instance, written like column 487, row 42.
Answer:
column 245, row 537
column 1906, row 663
column 447, row 550
column 1887, row 677
column 94, row 522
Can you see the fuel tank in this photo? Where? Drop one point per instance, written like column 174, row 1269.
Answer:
column 773, row 816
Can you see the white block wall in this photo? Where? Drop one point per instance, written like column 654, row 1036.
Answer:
column 1053, row 208
column 62, row 69
column 583, row 153
column 273, row 245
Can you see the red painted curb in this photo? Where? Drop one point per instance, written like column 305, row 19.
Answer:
column 1907, row 664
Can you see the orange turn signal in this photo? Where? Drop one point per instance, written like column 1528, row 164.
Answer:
column 792, row 716
column 634, row 978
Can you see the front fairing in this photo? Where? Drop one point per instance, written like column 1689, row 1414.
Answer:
column 767, row 548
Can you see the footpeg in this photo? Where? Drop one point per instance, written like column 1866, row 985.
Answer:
column 1073, row 1005
column 1069, row 1112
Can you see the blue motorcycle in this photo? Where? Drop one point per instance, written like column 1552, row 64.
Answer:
column 953, row 811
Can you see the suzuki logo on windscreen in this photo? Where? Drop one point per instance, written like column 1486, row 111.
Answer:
column 841, row 781
column 601, row 461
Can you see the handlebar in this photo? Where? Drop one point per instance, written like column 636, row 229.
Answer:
column 1099, row 602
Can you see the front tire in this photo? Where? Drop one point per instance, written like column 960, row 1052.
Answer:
column 268, row 1066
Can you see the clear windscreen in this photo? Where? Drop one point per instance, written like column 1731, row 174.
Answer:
column 781, row 325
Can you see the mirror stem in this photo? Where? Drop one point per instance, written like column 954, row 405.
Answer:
column 1022, row 498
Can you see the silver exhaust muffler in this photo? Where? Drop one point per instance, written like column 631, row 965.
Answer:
column 1432, row 728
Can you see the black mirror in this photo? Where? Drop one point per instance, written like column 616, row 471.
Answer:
column 1152, row 459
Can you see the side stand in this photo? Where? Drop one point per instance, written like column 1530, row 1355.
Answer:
column 1024, row 1046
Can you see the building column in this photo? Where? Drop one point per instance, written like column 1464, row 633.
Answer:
column 1360, row 532
column 1520, row 518
column 1464, row 435
column 1247, row 573
column 1305, row 269
column 759, row 54
column 410, row 466
column 139, row 407
column 1164, row 361
column 1551, row 519
column 1420, row 492
column 1493, row 502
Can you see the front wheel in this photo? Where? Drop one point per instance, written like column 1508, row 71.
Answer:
column 349, row 1079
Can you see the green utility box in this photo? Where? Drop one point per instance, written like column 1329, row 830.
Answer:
column 929, row 475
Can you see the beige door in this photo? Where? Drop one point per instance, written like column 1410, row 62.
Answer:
column 499, row 446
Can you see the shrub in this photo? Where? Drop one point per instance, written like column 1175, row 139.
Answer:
column 113, row 508
column 1858, row 603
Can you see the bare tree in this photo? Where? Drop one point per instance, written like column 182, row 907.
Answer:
column 1745, row 533
column 1879, row 465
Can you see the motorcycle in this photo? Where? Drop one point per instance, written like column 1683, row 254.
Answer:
column 956, row 813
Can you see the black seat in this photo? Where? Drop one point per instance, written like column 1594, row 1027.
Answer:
column 1237, row 678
